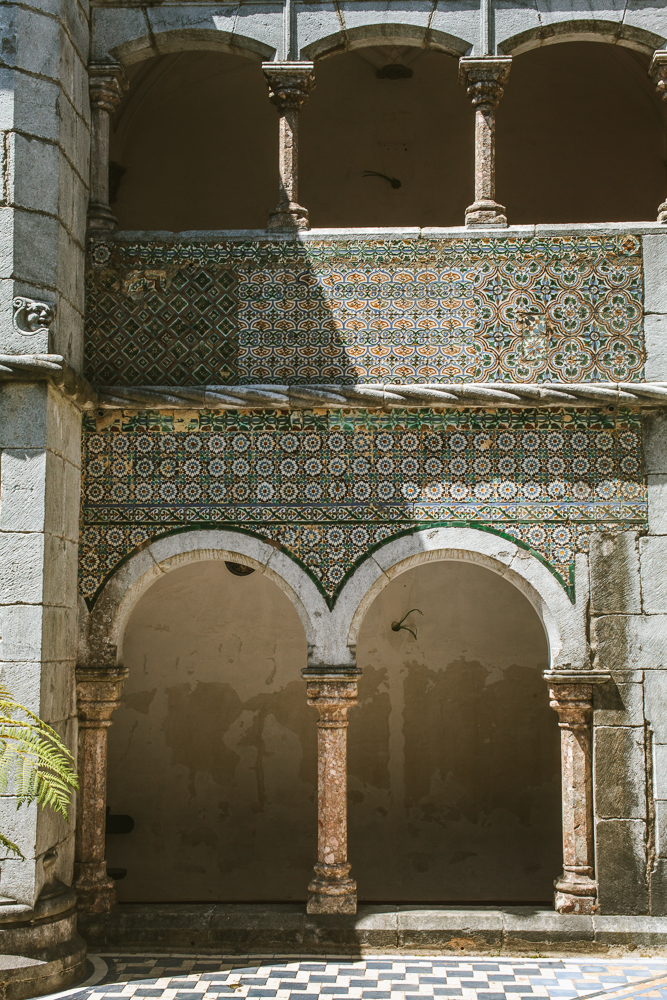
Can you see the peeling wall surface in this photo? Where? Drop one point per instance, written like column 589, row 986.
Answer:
column 454, row 783
column 213, row 751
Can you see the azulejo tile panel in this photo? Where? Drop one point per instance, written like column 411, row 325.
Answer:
column 365, row 310
column 330, row 486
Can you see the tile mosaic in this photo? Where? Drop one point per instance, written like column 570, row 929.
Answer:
column 360, row 311
column 331, row 486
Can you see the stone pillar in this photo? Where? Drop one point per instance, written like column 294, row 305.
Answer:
column 332, row 890
column 485, row 79
column 107, row 83
column 571, row 696
column 98, row 696
column 658, row 73
column 289, row 86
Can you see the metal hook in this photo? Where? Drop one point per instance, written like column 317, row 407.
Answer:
column 397, row 626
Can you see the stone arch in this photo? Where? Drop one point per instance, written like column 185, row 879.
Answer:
column 102, row 631
column 563, row 621
column 583, row 30
column 202, row 37
column 366, row 35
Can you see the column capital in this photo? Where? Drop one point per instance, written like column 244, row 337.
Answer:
column 289, row 83
column 107, row 81
column 484, row 78
column 98, row 695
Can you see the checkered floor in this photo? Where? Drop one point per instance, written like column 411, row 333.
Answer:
column 380, row 978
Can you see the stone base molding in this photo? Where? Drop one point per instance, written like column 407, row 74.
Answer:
column 290, row 84
column 43, row 952
column 333, row 693
column 484, row 79
column 98, row 695
column 571, row 696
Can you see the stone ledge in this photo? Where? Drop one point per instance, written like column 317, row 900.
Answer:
column 240, row 928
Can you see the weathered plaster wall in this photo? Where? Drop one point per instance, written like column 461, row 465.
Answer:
column 590, row 149
column 213, row 750
column 454, row 752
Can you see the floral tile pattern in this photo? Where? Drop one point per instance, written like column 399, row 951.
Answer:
column 365, row 310
column 329, row 487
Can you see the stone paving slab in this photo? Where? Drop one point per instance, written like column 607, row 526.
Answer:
column 380, row 977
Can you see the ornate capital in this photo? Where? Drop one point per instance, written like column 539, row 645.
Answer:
column 332, row 697
column 658, row 72
column 107, row 81
column 571, row 695
column 31, row 316
column 289, row 83
column 98, row 695
column 484, row 78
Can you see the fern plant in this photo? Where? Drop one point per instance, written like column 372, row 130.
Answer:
column 36, row 758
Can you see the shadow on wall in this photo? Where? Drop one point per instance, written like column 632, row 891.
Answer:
column 454, row 752
column 590, row 148
column 454, row 757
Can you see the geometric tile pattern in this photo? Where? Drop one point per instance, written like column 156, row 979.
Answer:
column 330, row 486
column 350, row 311
column 383, row 977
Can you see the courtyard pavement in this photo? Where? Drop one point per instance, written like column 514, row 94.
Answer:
column 382, row 977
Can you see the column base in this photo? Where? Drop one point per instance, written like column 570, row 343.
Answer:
column 576, row 892
column 101, row 217
column 331, row 891
column 289, row 216
column 486, row 213
column 662, row 212
column 95, row 891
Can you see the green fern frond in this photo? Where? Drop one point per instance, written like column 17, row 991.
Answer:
column 12, row 848
column 33, row 754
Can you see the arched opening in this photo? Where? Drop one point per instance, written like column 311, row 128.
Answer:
column 213, row 750
column 194, row 145
column 580, row 136
column 454, row 759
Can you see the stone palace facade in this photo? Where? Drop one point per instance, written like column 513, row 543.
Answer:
column 387, row 443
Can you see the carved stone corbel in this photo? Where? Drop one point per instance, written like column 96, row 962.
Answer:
column 31, row 317
column 107, row 83
column 290, row 84
column 658, row 73
column 484, row 79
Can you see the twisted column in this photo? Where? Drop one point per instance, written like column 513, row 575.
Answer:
column 332, row 890
column 571, row 696
column 98, row 696
column 658, row 73
column 107, row 82
column 484, row 79
column 290, row 84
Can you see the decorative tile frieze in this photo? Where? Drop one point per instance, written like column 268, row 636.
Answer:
column 331, row 486
column 539, row 309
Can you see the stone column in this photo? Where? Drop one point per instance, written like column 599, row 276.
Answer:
column 290, row 84
column 98, row 696
column 107, row 83
column 332, row 890
column 485, row 79
column 658, row 73
column 571, row 696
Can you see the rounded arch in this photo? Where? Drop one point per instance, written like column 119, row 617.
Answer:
column 366, row 35
column 563, row 621
column 200, row 38
column 584, row 30
column 102, row 631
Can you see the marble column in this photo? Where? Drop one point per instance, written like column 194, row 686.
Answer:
column 290, row 84
column 333, row 694
column 484, row 79
column 107, row 83
column 98, row 695
column 571, row 696
column 658, row 73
